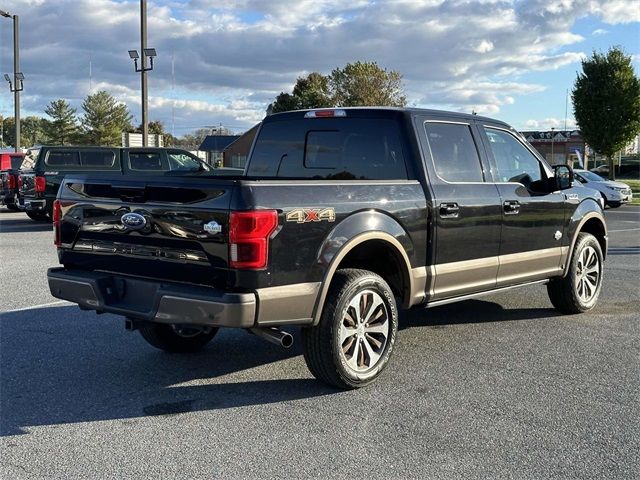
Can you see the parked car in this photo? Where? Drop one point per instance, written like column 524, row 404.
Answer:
column 9, row 172
column 342, row 217
column 630, row 170
column 40, row 183
column 614, row 193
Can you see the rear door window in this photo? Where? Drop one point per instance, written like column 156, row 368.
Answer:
column 331, row 149
column 454, row 153
column 146, row 161
column 97, row 159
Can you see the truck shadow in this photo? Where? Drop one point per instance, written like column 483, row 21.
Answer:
column 61, row 365
column 24, row 225
column 471, row 311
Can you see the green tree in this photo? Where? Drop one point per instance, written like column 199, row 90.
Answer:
column 311, row 91
column 357, row 84
column 606, row 102
column 365, row 83
column 8, row 131
column 62, row 129
column 31, row 131
column 104, row 119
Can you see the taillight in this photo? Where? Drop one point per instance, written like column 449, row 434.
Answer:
column 11, row 182
column 56, row 217
column 40, row 184
column 249, row 234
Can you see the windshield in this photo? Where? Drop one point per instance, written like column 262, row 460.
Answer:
column 590, row 177
column 185, row 161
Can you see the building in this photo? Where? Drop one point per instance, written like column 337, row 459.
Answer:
column 559, row 146
column 236, row 153
column 214, row 145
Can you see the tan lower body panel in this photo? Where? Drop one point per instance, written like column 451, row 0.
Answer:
column 530, row 266
column 287, row 304
column 460, row 278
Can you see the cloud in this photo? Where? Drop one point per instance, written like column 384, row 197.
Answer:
column 599, row 32
column 232, row 58
column 549, row 123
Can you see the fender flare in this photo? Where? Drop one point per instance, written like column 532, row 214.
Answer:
column 585, row 218
column 338, row 245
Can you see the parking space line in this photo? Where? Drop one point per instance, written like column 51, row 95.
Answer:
column 33, row 307
column 624, row 230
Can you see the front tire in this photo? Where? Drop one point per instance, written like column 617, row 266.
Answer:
column 353, row 342
column 578, row 291
column 177, row 338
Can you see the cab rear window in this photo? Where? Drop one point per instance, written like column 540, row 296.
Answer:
column 330, row 149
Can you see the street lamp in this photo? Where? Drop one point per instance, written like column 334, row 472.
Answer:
column 149, row 53
column 17, row 85
column 553, row 160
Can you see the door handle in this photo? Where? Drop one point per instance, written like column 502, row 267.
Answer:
column 511, row 207
column 449, row 210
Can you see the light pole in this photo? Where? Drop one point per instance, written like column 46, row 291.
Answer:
column 17, row 85
column 146, row 52
column 553, row 160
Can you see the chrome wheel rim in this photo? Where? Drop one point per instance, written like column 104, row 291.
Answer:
column 188, row 331
column 587, row 274
column 364, row 331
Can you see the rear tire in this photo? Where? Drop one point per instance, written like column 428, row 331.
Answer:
column 578, row 291
column 37, row 216
column 353, row 342
column 177, row 338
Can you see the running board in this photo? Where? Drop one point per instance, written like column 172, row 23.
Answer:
column 446, row 301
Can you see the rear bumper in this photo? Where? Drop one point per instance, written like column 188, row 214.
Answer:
column 34, row 205
column 162, row 302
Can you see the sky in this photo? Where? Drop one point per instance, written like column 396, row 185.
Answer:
column 221, row 62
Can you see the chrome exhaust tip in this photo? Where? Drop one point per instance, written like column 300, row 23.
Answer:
column 274, row 335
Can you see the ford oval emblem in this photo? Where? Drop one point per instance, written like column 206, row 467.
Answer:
column 134, row 221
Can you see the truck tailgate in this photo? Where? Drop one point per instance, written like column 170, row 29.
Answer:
column 174, row 229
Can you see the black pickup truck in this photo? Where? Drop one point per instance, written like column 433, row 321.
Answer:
column 342, row 217
column 41, row 177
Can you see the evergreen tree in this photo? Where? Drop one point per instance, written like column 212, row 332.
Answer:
column 104, row 120
column 62, row 129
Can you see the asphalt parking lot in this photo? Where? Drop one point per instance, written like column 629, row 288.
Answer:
column 502, row 387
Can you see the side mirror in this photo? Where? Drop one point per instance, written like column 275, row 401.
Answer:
column 563, row 176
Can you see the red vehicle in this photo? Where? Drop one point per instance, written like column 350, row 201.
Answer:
column 9, row 179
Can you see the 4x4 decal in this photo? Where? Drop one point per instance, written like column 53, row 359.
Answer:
column 305, row 215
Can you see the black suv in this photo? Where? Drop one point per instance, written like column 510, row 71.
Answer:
column 42, row 176
column 342, row 217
